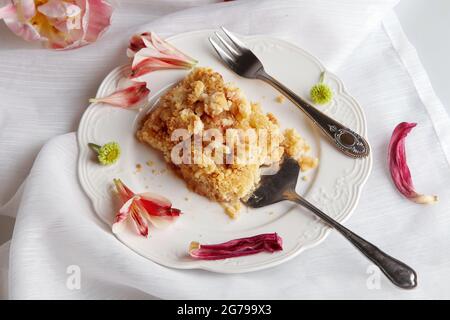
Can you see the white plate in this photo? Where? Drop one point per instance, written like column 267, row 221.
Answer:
column 334, row 186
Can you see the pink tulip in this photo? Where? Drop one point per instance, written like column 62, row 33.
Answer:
column 399, row 168
column 58, row 24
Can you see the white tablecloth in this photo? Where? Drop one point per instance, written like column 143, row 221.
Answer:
column 43, row 94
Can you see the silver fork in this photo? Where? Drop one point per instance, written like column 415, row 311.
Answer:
column 281, row 186
column 242, row 61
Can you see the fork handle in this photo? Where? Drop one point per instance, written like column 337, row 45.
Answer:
column 345, row 139
column 398, row 272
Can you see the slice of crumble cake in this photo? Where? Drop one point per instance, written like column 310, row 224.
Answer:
column 216, row 140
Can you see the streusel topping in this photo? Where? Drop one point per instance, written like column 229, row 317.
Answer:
column 202, row 104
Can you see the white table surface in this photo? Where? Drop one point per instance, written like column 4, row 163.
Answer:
column 425, row 23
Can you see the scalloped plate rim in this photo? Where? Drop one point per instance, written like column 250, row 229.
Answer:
column 325, row 230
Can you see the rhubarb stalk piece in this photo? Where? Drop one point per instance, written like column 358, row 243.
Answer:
column 268, row 242
column 399, row 168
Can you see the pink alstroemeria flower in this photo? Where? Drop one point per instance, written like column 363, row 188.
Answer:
column 142, row 207
column 399, row 168
column 59, row 24
column 151, row 53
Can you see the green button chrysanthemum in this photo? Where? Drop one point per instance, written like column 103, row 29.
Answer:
column 320, row 92
column 108, row 153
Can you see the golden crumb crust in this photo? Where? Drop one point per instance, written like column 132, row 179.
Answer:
column 202, row 103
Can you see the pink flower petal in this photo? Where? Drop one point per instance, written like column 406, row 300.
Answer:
column 26, row 9
column 98, row 18
column 123, row 191
column 65, row 17
column 120, row 217
column 126, row 197
column 151, row 64
column 127, row 97
column 136, row 44
column 8, row 11
column 156, row 198
column 157, row 205
column 150, row 53
column 59, row 9
column 268, row 242
column 16, row 15
column 124, row 210
column 77, row 30
column 67, row 32
column 399, row 168
column 127, row 205
column 167, row 49
column 68, row 26
column 157, row 209
column 139, row 220
column 23, row 30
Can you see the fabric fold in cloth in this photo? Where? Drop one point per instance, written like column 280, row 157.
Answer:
column 55, row 100
column 60, row 249
column 4, row 266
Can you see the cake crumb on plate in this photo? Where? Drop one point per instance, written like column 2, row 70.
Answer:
column 307, row 163
column 280, row 98
column 232, row 208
